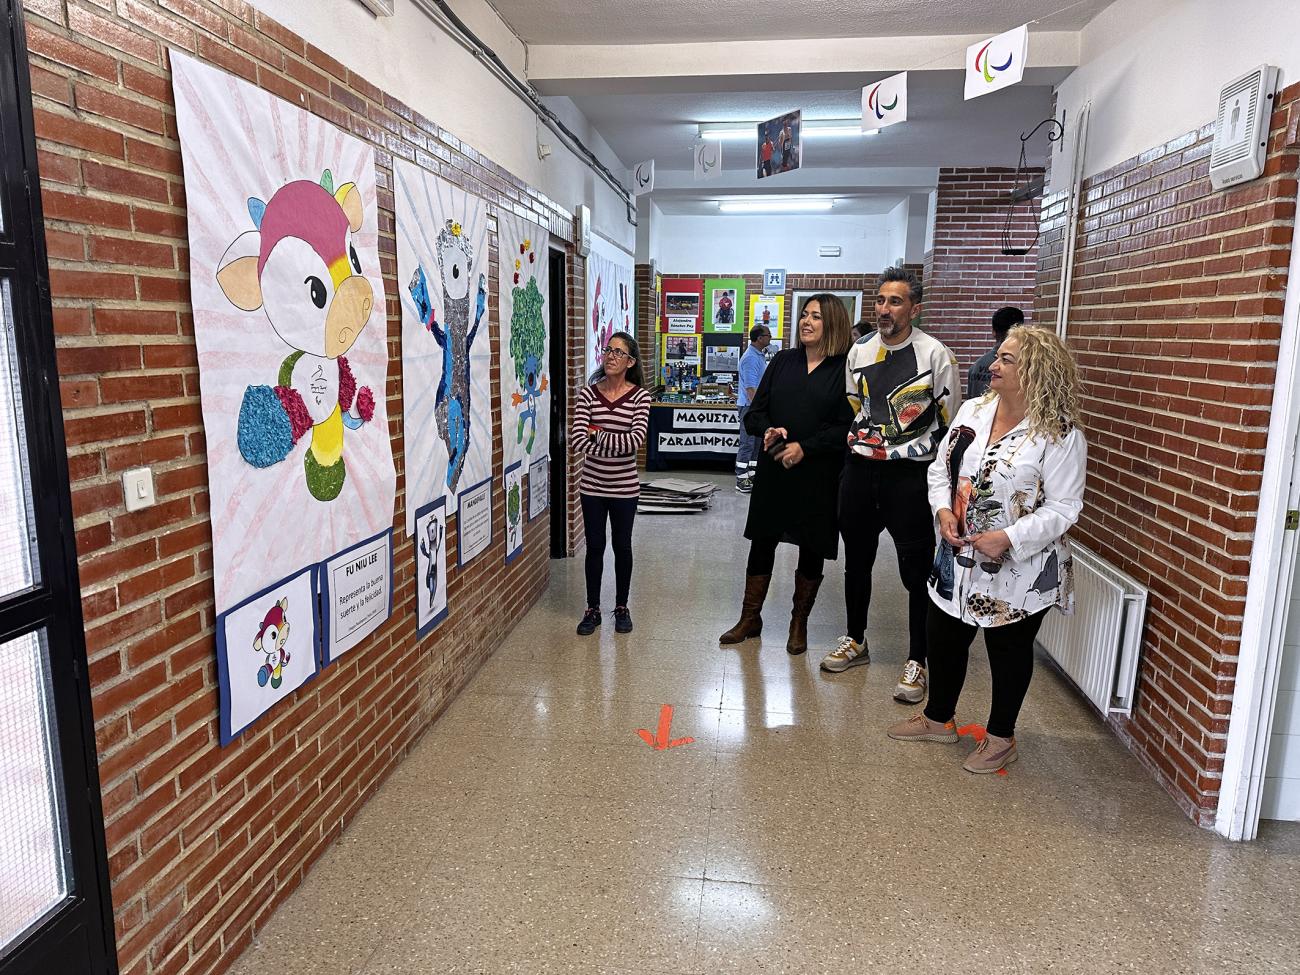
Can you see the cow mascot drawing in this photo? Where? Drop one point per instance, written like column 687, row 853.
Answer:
column 299, row 266
column 455, row 337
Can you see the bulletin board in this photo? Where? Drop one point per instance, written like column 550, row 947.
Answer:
column 683, row 303
column 724, row 305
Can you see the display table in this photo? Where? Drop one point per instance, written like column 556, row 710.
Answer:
column 692, row 435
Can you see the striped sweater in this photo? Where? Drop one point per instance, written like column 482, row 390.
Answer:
column 610, row 467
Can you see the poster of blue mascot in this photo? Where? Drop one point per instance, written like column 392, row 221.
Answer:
column 442, row 269
column 523, row 286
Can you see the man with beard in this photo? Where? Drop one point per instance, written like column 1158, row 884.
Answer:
column 906, row 388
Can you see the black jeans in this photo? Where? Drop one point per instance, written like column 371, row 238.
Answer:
column 762, row 557
column 886, row 495
column 621, row 512
column 1011, row 659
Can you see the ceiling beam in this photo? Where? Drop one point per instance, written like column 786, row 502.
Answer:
column 554, row 67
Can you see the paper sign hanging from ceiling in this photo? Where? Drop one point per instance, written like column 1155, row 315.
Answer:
column 442, row 265
column 290, row 332
column 996, row 63
column 884, row 103
column 708, row 160
column 643, row 178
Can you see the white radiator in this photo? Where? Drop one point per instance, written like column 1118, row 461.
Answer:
column 1098, row 646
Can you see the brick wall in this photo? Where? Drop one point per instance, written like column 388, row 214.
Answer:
column 204, row 843
column 967, row 278
column 1175, row 320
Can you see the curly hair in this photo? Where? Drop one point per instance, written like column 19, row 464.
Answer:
column 1049, row 379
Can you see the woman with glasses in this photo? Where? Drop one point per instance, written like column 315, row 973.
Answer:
column 609, row 427
column 802, row 415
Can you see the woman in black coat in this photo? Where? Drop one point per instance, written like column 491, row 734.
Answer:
column 803, row 416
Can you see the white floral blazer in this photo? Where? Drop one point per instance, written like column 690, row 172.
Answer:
column 1028, row 486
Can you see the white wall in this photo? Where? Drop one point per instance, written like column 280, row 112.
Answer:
column 412, row 58
column 750, row 242
column 1153, row 68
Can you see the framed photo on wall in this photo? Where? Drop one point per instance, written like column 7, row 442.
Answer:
column 852, row 301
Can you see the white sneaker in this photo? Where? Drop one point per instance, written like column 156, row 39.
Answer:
column 848, row 653
column 910, row 688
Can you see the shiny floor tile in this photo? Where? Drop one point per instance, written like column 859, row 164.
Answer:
column 534, row 830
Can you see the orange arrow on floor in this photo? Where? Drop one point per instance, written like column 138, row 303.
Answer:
column 662, row 741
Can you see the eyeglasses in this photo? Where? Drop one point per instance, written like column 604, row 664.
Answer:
column 616, row 353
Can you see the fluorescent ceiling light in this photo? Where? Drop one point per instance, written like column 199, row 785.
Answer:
column 716, row 134
column 775, row 206
column 748, row 131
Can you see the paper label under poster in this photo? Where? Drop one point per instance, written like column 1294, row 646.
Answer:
column 539, row 487
column 681, row 324
column 358, row 591
column 474, row 522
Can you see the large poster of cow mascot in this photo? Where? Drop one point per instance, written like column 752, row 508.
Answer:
column 290, row 333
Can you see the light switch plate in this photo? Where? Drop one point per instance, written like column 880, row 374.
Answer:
column 137, row 488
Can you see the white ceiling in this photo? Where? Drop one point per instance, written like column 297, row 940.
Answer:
column 676, row 21
column 942, row 128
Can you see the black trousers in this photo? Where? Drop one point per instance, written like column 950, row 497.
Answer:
column 1011, row 659
column 621, row 513
column 886, row 495
column 762, row 557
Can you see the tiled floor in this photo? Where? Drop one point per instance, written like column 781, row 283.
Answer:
column 533, row 830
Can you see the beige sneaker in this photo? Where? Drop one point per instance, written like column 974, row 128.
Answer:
column 920, row 728
column 848, row 653
column 910, row 688
column 991, row 755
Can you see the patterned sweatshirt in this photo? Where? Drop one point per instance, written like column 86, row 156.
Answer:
column 905, row 396
column 609, row 470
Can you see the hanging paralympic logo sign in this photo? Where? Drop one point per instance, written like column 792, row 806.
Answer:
column 885, row 102
column 996, row 63
column 708, row 160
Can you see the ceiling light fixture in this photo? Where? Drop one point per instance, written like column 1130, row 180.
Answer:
column 748, row 131
column 714, row 133
column 775, row 206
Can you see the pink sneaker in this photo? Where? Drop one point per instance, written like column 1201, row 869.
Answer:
column 991, row 755
column 920, row 728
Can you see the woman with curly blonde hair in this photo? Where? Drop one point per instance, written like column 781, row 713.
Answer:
column 1005, row 487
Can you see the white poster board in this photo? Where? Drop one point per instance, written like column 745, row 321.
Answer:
column 524, row 283
column 610, row 286
column 442, row 264
column 289, row 330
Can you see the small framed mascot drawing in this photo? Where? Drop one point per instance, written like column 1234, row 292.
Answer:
column 267, row 647
column 431, row 565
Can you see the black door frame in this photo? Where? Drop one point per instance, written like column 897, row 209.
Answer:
column 559, row 355
column 76, row 936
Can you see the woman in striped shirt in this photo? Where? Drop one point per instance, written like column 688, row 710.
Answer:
column 609, row 427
